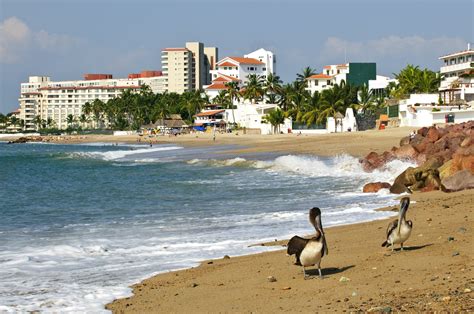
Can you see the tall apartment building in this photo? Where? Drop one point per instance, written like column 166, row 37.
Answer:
column 457, row 76
column 57, row 99
column 187, row 69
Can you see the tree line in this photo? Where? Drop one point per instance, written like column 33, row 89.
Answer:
column 136, row 108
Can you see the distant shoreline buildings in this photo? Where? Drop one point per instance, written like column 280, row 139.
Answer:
column 197, row 67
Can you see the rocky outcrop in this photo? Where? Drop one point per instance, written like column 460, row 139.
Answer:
column 374, row 187
column 443, row 155
column 26, row 139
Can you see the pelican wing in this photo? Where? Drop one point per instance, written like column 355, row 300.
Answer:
column 296, row 245
column 392, row 226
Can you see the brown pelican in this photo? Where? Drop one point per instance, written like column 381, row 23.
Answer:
column 310, row 251
column 399, row 230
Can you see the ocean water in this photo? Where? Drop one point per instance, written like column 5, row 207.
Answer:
column 80, row 223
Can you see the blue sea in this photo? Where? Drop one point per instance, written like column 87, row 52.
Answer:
column 81, row 223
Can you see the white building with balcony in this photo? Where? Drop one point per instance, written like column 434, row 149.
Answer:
column 57, row 99
column 423, row 110
column 457, row 77
column 261, row 62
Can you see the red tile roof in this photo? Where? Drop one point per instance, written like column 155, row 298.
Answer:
column 320, row 76
column 209, row 113
column 225, row 78
column 227, row 64
column 216, row 86
column 327, row 67
column 246, row 60
column 342, row 65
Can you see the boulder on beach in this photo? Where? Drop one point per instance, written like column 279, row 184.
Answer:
column 461, row 180
column 374, row 187
column 406, row 152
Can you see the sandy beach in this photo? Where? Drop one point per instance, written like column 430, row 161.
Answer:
column 356, row 143
column 434, row 272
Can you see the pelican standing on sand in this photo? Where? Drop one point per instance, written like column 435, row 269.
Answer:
column 399, row 230
column 310, row 251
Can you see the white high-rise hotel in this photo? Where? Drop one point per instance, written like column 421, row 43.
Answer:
column 56, row 100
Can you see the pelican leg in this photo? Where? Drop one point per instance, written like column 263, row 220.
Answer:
column 304, row 273
column 401, row 247
column 393, row 247
column 320, row 273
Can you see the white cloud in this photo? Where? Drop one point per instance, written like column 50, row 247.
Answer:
column 383, row 49
column 55, row 42
column 16, row 38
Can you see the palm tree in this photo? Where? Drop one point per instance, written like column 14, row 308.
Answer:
column 97, row 108
column 275, row 118
column 83, row 119
column 233, row 93
column 222, row 99
column 428, row 81
column 161, row 111
column 253, row 88
column 312, row 109
column 366, row 99
column 331, row 104
column 50, row 122
column 70, row 120
column 307, row 72
column 38, row 122
column 272, row 86
column 14, row 121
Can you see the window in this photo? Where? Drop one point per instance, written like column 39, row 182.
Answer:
column 316, row 82
column 264, row 69
column 328, row 82
column 327, row 72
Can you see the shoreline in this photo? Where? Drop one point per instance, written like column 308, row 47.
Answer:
column 433, row 273
column 357, row 144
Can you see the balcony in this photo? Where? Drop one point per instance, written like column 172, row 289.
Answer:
column 457, row 67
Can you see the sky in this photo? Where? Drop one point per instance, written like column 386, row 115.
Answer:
column 65, row 39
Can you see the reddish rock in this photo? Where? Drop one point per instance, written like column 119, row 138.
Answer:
column 466, row 142
column 372, row 161
column 422, row 146
column 433, row 134
column 423, row 131
column 461, row 180
column 374, row 187
column 405, row 140
column 406, row 152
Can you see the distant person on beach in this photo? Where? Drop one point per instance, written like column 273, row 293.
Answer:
column 412, row 134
